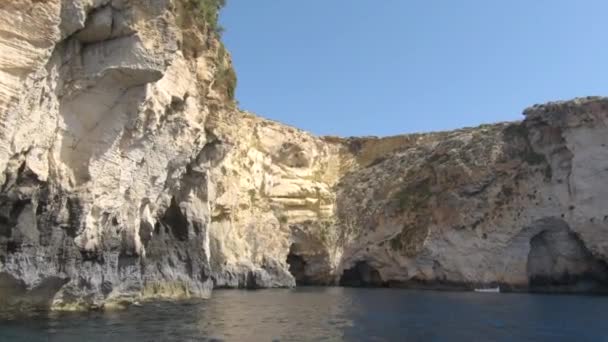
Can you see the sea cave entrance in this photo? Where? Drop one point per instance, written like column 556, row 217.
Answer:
column 559, row 261
column 298, row 265
column 361, row 275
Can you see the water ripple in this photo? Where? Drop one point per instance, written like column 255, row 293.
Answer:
column 330, row 314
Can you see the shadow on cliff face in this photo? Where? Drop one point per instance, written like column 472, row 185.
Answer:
column 93, row 120
column 560, row 262
column 176, row 221
column 176, row 260
column 361, row 275
column 16, row 297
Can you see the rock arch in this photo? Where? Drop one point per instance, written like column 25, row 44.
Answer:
column 559, row 260
column 362, row 274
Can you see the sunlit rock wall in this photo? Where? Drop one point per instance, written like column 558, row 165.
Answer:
column 129, row 174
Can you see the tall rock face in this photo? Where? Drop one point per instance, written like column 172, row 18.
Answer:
column 128, row 173
column 106, row 144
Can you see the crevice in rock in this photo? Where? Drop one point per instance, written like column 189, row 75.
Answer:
column 145, row 232
column 125, row 260
column 92, row 256
column 12, row 247
column 176, row 221
column 9, row 214
column 75, row 212
column 297, row 266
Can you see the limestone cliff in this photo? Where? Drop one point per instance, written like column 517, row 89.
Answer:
column 515, row 204
column 129, row 173
column 107, row 109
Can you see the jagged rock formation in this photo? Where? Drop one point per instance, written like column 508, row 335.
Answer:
column 129, row 173
column 106, row 149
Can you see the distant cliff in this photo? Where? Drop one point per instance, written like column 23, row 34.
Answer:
column 130, row 174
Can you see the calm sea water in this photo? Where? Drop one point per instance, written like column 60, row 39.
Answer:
column 332, row 314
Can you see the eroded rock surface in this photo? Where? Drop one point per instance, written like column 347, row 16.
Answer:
column 129, row 173
column 105, row 150
column 509, row 204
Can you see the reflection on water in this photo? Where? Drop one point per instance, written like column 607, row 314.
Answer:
column 331, row 314
column 316, row 313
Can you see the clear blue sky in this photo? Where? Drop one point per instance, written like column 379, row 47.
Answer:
column 382, row 67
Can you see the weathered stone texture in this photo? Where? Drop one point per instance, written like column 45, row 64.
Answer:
column 128, row 173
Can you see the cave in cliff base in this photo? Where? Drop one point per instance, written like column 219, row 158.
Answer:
column 560, row 262
column 297, row 266
column 361, row 275
column 309, row 263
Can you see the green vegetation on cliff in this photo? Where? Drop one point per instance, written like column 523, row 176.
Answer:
column 226, row 79
column 205, row 15
column 207, row 12
column 414, row 196
column 520, row 132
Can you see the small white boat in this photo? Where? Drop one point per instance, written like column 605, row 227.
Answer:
column 489, row 290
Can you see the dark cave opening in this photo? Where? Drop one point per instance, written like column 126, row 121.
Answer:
column 361, row 275
column 175, row 219
column 297, row 266
column 559, row 261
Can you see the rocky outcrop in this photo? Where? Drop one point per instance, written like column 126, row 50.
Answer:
column 509, row 204
column 129, row 174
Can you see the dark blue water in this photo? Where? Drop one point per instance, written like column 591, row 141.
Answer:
column 332, row 314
